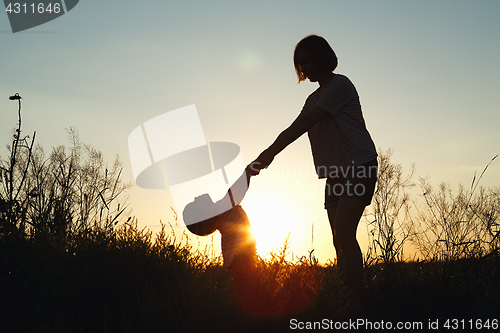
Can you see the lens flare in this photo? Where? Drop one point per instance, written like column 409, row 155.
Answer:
column 271, row 221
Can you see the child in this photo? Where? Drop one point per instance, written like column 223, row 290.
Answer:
column 238, row 242
column 234, row 226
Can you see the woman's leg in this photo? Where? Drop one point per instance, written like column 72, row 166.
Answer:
column 344, row 219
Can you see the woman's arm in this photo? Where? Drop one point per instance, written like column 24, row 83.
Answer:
column 299, row 126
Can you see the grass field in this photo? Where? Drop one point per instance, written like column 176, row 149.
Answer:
column 72, row 260
column 126, row 282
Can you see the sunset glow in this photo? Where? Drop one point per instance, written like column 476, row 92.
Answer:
column 271, row 222
column 105, row 72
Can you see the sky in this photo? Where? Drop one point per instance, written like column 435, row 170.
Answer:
column 427, row 72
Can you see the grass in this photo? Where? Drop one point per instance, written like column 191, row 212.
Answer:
column 65, row 266
column 126, row 282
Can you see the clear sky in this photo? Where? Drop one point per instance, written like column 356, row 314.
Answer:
column 427, row 72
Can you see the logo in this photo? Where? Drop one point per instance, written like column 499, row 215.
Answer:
column 24, row 15
column 171, row 150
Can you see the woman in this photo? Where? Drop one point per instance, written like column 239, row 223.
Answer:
column 342, row 149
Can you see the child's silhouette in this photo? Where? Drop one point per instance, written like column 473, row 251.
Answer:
column 234, row 226
column 239, row 253
column 238, row 242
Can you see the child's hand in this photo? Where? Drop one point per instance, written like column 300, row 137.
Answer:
column 253, row 169
column 262, row 162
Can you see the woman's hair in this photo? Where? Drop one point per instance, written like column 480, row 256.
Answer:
column 318, row 51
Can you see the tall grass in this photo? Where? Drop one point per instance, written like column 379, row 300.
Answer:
column 441, row 225
column 453, row 226
column 72, row 260
column 130, row 281
column 388, row 215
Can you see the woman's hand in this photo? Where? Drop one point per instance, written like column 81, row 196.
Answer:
column 299, row 126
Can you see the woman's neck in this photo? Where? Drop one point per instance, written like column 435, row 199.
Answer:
column 324, row 79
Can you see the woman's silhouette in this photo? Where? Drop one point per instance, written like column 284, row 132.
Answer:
column 342, row 149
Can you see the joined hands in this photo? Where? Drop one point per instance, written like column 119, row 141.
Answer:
column 261, row 162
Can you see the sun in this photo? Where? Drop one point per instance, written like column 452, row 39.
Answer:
column 271, row 223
